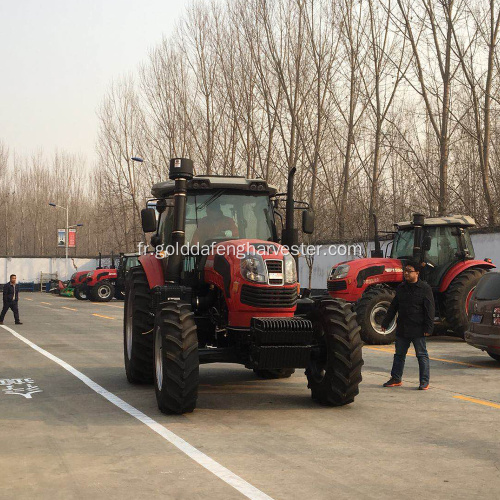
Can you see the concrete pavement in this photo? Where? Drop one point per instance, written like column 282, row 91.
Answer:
column 68, row 441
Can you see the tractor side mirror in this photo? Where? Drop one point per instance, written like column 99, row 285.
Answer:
column 426, row 243
column 148, row 218
column 307, row 222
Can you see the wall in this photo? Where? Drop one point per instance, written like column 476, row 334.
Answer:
column 29, row 268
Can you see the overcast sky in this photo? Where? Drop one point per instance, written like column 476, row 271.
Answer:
column 58, row 58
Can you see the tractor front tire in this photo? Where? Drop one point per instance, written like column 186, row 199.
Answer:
column 176, row 359
column 80, row 293
column 102, row 292
column 334, row 372
column 138, row 326
column 457, row 299
column 370, row 311
column 273, row 374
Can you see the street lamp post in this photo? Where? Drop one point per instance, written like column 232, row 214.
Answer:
column 66, row 239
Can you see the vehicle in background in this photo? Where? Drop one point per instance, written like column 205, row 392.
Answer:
column 484, row 316
column 127, row 261
column 102, row 284
column 444, row 247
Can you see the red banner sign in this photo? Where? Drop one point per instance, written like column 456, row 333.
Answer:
column 72, row 238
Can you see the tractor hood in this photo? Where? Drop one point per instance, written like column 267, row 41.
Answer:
column 350, row 278
column 256, row 277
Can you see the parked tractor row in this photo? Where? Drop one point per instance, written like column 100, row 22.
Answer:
column 101, row 284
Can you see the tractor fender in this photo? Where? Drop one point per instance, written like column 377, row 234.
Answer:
column 460, row 267
column 153, row 269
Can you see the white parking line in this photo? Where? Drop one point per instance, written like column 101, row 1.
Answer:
column 204, row 460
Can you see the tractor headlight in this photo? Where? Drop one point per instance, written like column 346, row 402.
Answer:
column 253, row 269
column 340, row 272
column 290, row 269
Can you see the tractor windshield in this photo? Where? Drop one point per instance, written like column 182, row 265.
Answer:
column 445, row 244
column 403, row 244
column 224, row 214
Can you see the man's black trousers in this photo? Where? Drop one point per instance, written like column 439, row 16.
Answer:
column 15, row 310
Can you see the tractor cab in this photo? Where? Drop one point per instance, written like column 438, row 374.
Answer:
column 218, row 209
column 440, row 242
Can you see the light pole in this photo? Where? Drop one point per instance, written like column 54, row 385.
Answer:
column 66, row 239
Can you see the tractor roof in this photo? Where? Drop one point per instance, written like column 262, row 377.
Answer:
column 202, row 183
column 451, row 220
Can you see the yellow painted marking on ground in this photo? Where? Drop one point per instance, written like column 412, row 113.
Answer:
column 478, row 401
column 68, row 308
column 471, row 365
column 101, row 316
column 48, row 303
column 27, row 299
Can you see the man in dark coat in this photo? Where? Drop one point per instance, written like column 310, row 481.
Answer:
column 10, row 299
column 414, row 304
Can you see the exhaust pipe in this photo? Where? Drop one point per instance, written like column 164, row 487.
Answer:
column 181, row 170
column 290, row 235
column 377, row 253
column 418, row 226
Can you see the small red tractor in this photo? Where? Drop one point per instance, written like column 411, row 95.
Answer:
column 101, row 285
column 235, row 301
column 443, row 246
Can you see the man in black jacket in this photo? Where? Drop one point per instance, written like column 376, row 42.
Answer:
column 10, row 299
column 414, row 303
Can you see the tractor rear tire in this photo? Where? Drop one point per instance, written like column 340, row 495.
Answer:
column 456, row 300
column 176, row 359
column 138, row 325
column 496, row 357
column 334, row 372
column 80, row 294
column 102, row 292
column 272, row 374
column 370, row 311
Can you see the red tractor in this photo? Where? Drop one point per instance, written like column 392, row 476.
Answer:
column 444, row 247
column 101, row 285
column 236, row 300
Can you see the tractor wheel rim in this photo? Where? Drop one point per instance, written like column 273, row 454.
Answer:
column 129, row 327
column 376, row 316
column 104, row 292
column 158, row 359
column 467, row 300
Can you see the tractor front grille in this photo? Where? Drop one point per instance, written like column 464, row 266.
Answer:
column 275, row 269
column 335, row 286
column 268, row 297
